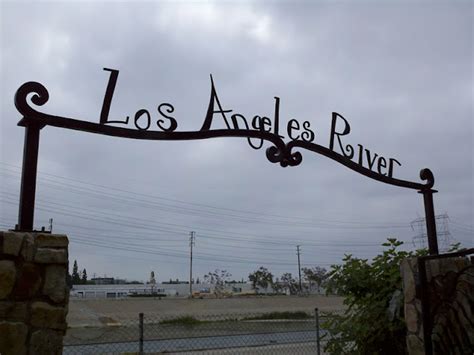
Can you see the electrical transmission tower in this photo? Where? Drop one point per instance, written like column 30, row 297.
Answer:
column 420, row 240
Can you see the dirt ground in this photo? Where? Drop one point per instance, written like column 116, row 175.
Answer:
column 286, row 349
column 100, row 312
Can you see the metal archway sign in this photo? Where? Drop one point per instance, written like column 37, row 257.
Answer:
column 257, row 130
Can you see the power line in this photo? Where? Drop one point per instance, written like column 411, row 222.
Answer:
column 218, row 250
column 150, row 225
column 131, row 247
column 167, row 252
column 218, row 210
column 246, row 221
column 182, row 255
column 128, row 198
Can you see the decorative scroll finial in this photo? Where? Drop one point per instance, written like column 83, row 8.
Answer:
column 426, row 174
column 39, row 98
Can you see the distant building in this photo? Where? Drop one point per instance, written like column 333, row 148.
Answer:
column 103, row 280
column 175, row 282
column 128, row 290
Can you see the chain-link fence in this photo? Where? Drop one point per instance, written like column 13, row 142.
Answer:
column 265, row 333
column 330, row 338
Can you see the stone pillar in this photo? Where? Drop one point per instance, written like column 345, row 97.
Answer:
column 33, row 292
column 412, row 310
column 450, row 293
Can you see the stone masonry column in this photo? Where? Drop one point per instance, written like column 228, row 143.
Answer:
column 412, row 310
column 450, row 294
column 33, row 292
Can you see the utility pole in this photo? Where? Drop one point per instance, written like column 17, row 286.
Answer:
column 191, row 243
column 50, row 225
column 299, row 265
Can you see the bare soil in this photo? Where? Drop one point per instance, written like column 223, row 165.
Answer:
column 108, row 312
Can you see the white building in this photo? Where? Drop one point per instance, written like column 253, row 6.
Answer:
column 170, row 290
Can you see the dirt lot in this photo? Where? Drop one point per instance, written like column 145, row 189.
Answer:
column 102, row 312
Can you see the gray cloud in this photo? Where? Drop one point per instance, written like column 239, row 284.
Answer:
column 400, row 73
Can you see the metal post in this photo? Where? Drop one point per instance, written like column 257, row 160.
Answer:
column 140, row 340
column 318, row 343
column 430, row 221
column 28, row 177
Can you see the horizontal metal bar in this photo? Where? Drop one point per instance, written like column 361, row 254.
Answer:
column 448, row 255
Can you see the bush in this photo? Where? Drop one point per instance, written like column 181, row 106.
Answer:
column 373, row 322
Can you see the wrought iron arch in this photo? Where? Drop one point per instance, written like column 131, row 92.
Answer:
column 286, row 154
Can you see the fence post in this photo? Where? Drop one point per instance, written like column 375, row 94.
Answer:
column 318, row 343
column 140, row 340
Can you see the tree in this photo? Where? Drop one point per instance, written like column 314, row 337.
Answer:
column 277, row 286
column 84, row 277
column 369, row 325
column 198, row 281
column 76, row 279
column 288, row 282
column 261, row 278
column 316, row 274
column 69, row 280
column 217, row 278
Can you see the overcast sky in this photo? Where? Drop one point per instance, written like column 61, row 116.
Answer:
column 401, row 74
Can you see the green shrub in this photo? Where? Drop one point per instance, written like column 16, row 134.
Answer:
column 373, row 322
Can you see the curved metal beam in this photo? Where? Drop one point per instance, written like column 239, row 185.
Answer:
column 280, row 152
